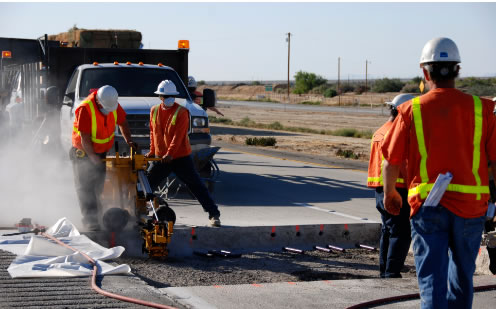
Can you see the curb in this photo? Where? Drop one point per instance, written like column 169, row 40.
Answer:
column 187, row 239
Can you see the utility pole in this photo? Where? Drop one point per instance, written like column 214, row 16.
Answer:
column 366, row 71
column 339, row 87
column 366, row 74
column 289, row 49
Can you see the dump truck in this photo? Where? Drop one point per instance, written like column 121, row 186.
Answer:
column 53, row 79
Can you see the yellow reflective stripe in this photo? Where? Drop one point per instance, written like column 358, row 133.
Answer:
column 94, row 127
column 374, row 179
column 175, row 115
column 477, row 140
column 155, row 111
column 93, row 119
column 424, row 188
column 419, row 130
column 400, row 180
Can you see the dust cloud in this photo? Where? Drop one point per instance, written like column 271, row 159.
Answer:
column 36, row 177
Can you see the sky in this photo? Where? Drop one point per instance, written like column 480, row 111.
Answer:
column 247, row 41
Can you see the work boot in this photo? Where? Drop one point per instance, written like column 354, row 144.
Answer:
column 215, row 221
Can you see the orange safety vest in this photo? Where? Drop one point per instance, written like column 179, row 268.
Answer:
column 375, row 177
column 102, row 127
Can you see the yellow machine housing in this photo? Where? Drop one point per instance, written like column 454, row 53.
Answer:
column 124, row 187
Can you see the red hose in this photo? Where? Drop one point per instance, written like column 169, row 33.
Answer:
column 105, row 293
column 386, row 300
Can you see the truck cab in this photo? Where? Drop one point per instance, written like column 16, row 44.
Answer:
column 135, row 84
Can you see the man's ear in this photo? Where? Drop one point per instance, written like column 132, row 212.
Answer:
column 427, row 77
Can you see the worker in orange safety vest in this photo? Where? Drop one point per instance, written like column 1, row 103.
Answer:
column 169, row 125
column 444, row 130
column 395, row 231
column 93, row 136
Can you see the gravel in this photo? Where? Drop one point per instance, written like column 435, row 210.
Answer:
column 260, row 267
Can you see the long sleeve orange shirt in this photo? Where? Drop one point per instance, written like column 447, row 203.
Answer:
column 167, row 138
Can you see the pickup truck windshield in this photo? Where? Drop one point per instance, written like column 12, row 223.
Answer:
column 129, row 82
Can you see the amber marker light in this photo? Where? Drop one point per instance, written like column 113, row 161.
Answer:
column 6, row 54
column 183, row 44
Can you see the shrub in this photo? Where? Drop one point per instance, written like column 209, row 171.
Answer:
column 305, row 82
column 387, row 85
column 478, row 86
column 247, row 122
column 260, row 141
column 347, row 154
column 319, row 89
column 201, row 83
column 344, row 88
column 352, row 133
column 359, row 89
column 256, row 83
column 330, row 92
column 275, row 126
column 411, row 88
column 311, row 102
column 214, row 119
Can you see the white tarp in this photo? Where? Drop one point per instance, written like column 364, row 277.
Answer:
column 39, row 257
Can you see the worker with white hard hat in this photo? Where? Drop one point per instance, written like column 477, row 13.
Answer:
column 395, row 232
column 444, row 131
column 197, row 95
column 93, row 136
column 169, row 125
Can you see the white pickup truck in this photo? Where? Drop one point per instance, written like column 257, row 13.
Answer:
column 136, row 84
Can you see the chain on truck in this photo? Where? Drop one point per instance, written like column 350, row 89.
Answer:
column 53, row 77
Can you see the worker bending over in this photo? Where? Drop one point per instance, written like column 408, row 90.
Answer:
column 395, row 232
column 169, row 124
column 93, row 136
column 443, row 131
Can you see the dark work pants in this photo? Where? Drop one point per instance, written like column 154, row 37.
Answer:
column 186, row 172
column 395, row 236
column 89, row 179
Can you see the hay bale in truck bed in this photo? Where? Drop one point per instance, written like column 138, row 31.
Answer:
column 99, row 38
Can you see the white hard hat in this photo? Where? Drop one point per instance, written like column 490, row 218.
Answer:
column 494, row 99
column 166, row 87
column 192, row 82
column 440, row 50
column 400, row 99
column 107, row 96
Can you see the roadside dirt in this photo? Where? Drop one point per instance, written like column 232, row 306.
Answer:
column 318, row 144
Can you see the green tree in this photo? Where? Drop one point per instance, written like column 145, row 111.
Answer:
column 305, row 82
